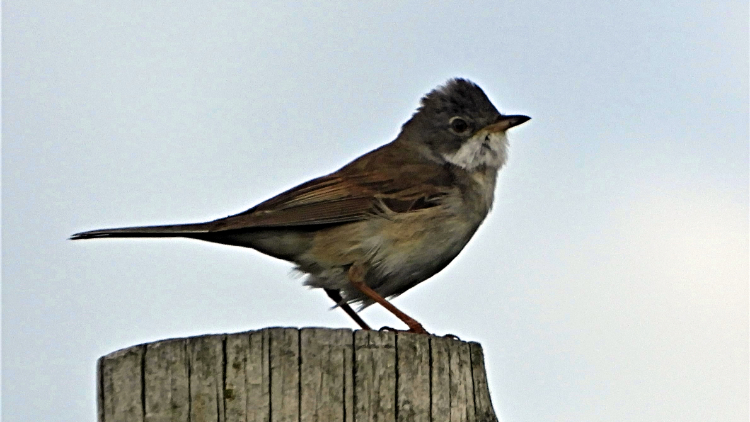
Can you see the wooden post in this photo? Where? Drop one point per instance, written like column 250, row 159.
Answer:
column 300, row 375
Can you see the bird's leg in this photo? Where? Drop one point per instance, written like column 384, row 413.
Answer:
column 357, row 278
column 336, row 297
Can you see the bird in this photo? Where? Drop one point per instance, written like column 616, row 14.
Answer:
column 388, row 220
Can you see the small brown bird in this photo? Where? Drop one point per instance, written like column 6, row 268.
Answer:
column 388, row 220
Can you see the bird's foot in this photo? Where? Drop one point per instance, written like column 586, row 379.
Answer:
column 413, row 330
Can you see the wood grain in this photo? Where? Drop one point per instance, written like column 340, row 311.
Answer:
column 291, row 375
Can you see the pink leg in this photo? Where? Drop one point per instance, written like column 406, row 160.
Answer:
column 356, row 277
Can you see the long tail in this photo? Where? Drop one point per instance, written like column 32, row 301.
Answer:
column 178, row 230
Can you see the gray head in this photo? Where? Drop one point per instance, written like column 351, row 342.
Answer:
column 458, row 124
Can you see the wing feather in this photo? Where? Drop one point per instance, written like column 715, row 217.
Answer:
column 358, row 191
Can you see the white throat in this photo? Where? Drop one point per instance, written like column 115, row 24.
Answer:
column 489, row 150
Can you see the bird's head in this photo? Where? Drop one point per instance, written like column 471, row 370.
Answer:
column 457, row 123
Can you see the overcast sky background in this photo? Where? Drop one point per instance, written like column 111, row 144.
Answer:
column 610, row 282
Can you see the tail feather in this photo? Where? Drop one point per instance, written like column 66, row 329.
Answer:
column 179, row 230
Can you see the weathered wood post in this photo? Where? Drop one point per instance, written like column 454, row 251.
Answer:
column 289, row 374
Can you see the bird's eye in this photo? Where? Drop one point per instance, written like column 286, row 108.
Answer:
column 458, row 125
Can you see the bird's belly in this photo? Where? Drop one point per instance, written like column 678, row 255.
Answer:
column 397, row 253
column 405, row 257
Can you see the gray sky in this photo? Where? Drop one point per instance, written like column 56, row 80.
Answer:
column 610, row 282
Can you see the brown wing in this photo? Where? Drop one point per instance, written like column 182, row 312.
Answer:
column 356, row 192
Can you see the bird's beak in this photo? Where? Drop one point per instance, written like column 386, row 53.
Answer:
column 504, row 123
